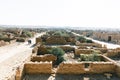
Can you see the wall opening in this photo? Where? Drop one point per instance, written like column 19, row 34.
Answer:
column 87, row 65
column 109, row 38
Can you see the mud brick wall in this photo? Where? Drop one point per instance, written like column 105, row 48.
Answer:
column 12, row 41
column 38, row 67
column 55, row 40
column 83, row 51
column 67, row 48
column 3, row 43
column 35, row 49
column 103, row 50
column 46, row 57
column 38, row 40
column 42, row 50
column 102, row 67
column 82, row 47
column 118, row 70
column 20, row 73
column 71, row 68
column 90, row 44
column 114, row 52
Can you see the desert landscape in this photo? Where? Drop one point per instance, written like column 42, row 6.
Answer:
column 59, row 39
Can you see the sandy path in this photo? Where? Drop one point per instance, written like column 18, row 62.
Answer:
column 14, row 55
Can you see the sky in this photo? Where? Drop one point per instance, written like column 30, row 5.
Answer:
column 75, row 13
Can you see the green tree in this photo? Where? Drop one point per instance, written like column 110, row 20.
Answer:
column 58, row 52
column 81, row 39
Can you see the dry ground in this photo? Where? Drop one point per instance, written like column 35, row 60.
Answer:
column 12, row 56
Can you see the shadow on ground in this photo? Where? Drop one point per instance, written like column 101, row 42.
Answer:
column 70, row 77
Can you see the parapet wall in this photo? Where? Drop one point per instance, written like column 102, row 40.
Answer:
column 56, row 40
column 114, row 52
column 118, row 69
column 38, row 67
column 12, row 41
column 71, row 68
column 38, row 40
column 45, row 57
column 83, row 51
column 103, row 50
column 102, row 67
column 90, row 44
column 19, row 73
column 79, row 67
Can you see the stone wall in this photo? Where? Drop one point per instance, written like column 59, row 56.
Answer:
column 118, row 70
column 46, row 57
column 113, row 52
column 20, row 72
column 35, row 49
column 90, row 44
column 79, row 67
column 83, row 51
column 55, row 40
column 67, row 48
column 3, row 43
column 12, row 41
column 71, row 68
column 102, row 67
column 102, row 50
column 38, row 40
column 42, row 50
column 82, row 47
column 115, row 37
column 38, row 67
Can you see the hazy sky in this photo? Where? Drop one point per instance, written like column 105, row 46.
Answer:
column 83, row 13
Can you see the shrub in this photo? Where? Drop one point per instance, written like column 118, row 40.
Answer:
column 6, row 39
column 90, row 57
column 26, row 34
column 29, row 34
column 81, row 39
column 58, row 52
column 89, row 41
column 20, row 40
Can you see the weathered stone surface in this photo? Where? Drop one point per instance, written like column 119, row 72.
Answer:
column 83, row 51
column 38, row 67
column 118, row 70
column 46, row 57
column 71, row 68
column 55, row 40
column 79, row 67
column 89, row 44
column 3, row 43
column 38, row 40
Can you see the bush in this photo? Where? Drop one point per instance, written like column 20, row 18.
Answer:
column 20, row 40
column 29, row 34
column 26, row 34
column 6, row 39
column 89, row 41
column 81, row 39
column 58, row 52
column 90, row 57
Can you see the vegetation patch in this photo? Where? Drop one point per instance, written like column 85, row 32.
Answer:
column 90, row 57
column 58, row 52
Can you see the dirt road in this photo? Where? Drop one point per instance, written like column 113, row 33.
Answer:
column 13, row 55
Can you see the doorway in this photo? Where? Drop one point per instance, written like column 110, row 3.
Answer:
column 109, row 38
